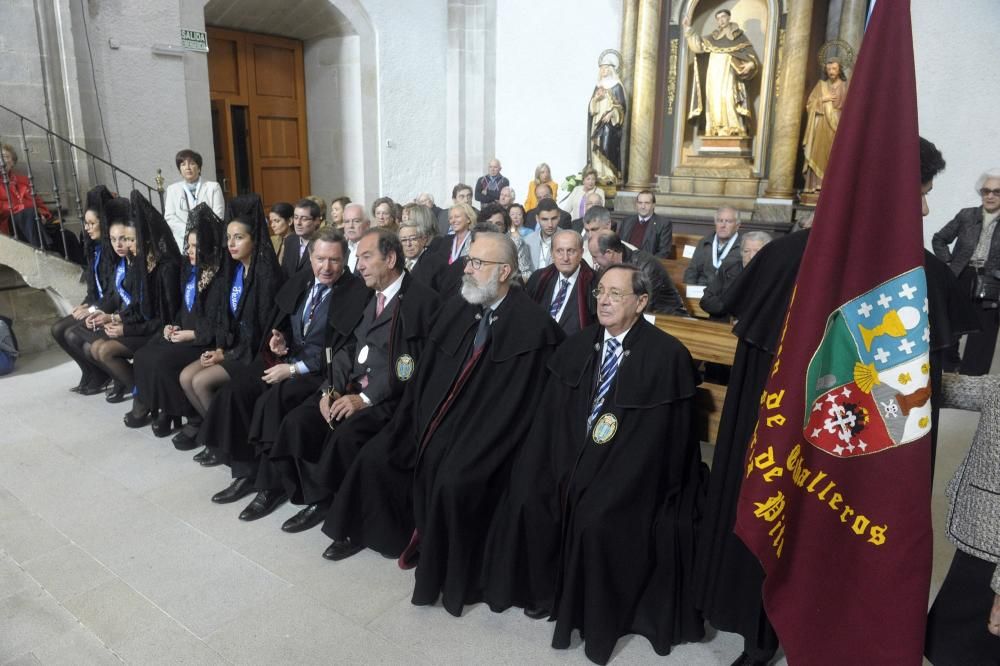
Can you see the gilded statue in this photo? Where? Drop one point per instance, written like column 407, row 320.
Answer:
column 822, row 117
column 732, row 62
column 606, row 120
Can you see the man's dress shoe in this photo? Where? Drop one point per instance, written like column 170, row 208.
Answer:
column 210, row 459
column 263, row 504
column 307, row 518
column 536, row 612
column 236, row 491
column 341, row 550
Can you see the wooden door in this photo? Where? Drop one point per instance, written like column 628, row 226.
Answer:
column 263, row 77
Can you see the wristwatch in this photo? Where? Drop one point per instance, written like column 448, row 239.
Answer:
column 292, row 370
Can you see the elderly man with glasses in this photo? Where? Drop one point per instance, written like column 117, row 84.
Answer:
column 596, row 529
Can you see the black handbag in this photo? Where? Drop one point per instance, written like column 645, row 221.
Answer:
column 987, row 288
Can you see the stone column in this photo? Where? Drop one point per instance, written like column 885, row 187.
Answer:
column 630, row 14
column 788, row 108
column 852, row 22
column 643, row 114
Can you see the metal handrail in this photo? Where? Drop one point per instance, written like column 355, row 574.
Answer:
column 92, row 159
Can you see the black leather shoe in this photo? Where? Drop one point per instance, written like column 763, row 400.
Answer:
column 262, row 505
column 133, row 421
column 119, row 394
column 92, row 389
column 236, row 491
column 746, row 660
column 210, row 459
column 184, row 442
column 201, row 455
column 164, row 424
column 306, row 519
column 536, row 612
column 341, row 550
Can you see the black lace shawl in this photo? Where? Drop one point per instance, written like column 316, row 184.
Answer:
column 96, row 199
column 210, row 288
column 240, row 335
column 154, row 273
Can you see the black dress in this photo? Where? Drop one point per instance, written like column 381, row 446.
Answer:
column 159, row 363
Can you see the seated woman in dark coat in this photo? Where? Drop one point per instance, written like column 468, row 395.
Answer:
column 187, row 334
column 98, row 275
column 149, row 299
column 251, row 277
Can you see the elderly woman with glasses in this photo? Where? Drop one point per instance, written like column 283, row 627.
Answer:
column 975, row 259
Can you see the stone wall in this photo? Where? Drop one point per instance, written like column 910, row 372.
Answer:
column 31, row 310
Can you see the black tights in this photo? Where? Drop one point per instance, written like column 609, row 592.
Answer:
column 113, row 357
column 74, row 338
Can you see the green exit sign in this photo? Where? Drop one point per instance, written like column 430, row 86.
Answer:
column 194, row 40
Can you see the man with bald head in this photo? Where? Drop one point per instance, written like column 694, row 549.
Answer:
column 564, row 287
column 356, row 224
column 589, row 201
column 608, row 249
column 449, row 446
column 488, row 187
column 716, row 251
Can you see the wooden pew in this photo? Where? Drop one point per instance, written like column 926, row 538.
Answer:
column 712, row 342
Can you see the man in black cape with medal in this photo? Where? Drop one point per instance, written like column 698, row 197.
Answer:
column 728, row 577
column 597, row 528
column 463, row 416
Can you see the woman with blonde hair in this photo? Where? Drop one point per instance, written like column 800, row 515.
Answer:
column 543, row 174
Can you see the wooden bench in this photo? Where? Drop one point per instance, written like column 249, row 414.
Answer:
column 712, row 342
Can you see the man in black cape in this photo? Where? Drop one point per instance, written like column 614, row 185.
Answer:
column 728, row 577
column 463, row 419
column 287, row 369
column 598, row 525
column 363, row 388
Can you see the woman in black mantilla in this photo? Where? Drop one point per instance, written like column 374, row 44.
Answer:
column 149, row 297
column 251, row 277
column 70, row 332
column 187, row 334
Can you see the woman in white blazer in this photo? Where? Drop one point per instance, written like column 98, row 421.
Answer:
column 184, row 196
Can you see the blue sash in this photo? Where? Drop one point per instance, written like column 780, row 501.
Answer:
column 119, row 280
column 236, row 293
column 191, row 289
column 97, row 275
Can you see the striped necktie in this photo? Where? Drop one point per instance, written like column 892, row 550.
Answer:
column 608, row 371
column 557, row 302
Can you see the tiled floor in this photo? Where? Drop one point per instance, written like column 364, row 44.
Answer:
column 111, row 551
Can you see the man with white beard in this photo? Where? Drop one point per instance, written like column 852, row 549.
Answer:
column 448, row 449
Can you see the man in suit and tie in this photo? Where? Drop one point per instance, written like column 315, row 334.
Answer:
column 648, row 231
column 318, row 440
column 306, row 220
column 564, row 287
column 317, row 309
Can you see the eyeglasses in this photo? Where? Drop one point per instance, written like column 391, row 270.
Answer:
column 302, row 218
column 985, row 192
column 410, row 239
column 615, row 295
column 477, row 263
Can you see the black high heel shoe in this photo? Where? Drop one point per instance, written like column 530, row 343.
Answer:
column 119, row 393
column 164, row 424
column 133, row 421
